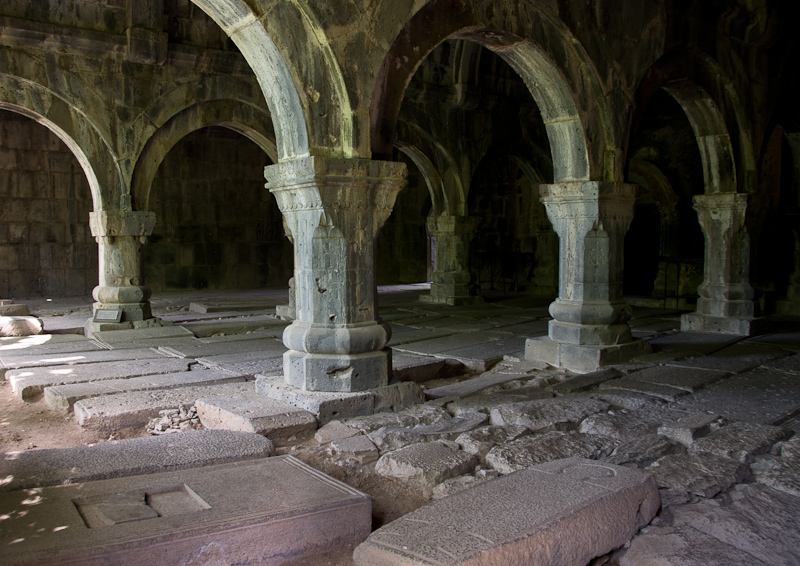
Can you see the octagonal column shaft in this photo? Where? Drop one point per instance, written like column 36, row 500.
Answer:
column 453, row 235
column 590, row 317
column 725, row 304
column 120, row 236
column 334, row 209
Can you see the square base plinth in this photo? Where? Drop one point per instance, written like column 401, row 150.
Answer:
column 337, row 373
column 269, row 511
column 696, row 322
column 582, row 359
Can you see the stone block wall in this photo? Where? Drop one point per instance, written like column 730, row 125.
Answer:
column 46, row 248
column 217, row 227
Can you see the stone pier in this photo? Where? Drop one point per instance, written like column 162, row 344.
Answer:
column 450, row 284
column 123, row 301
column 589, row 327
column 726, row 297
column 334, row 209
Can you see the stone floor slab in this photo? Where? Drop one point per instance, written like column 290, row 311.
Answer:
column 538, row 516
column 683, row 546
column 686, row 378
column 82, row 357
column 631, row 383
column 29, row 383
column 113, row 413
column 271, row 511
column 485, row 402
column 392, row 438
column 280, row 422
column 61, row 398
column 740, row 441
column 585, row 381
column 759, row 396
column 156, row 332
column 269, row 363
column 471, row 385
column 759, row 521
column 129, row 457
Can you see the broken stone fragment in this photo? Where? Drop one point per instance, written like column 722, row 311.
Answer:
column 686, row 429
column 548, row 414
column 20, row 326
column 359, row 448
column 423, row 466
column 740, row 441
column 392, row 438
column 483, row 439
column 682, row 478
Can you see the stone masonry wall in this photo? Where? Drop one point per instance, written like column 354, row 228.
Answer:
column 217, row 227
column 46, row 248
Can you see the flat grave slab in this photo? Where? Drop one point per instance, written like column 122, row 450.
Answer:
column 249, row 363
column 565, row 512
column 82, row 357
column 270, row 511
column 28, row 383
column 448, row 343
column 132, row 410
column 482, row 356
column 699, row 343
column 129, row 457
column 228, row 307
column 116, row 336
column 472, row 385
column 687, row 378
column 759, row 396
column 61, row 398
column 235, row 347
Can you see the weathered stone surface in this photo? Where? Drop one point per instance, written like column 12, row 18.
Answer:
column 454, row 485
column 129, row 457
column 758, row 396
column 643, row 450
column 631, row 383
column 397, row 396
column 61, row 398
column 684, row 546
column 483, row 439
column 392, row 438
column 547, row 414
column 685, row 477
column 29, row 383
column 418, row 415
column 334, row 430
column 20, row 326
column 687, row 378
column 687, row 428
column 132, row 410
column 564, row 512
column 759, row 521
column 323, row 405
column 585, row 381
column 245, row 513
column 740, row 441
column 789, row 364
column 14, row 310
column 425, row 465
column 782, row 473
column 532, row 450
column 359, row 448
column 471, row 385
column 256, row 413
column 484, row 402
column 629, row 400
column 621, row 425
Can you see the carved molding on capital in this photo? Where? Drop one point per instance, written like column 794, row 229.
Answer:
column 109, row 224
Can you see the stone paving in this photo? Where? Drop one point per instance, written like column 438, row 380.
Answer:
column 711, row 418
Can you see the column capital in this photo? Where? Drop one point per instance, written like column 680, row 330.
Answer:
column 113, row 223
column 720, row 200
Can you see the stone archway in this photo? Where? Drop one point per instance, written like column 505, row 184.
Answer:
column 245, row 119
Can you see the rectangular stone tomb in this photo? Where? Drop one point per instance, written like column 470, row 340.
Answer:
column 561, row 513
column 268, row 512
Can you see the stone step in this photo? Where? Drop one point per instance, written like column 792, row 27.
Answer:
column 61, row 398
column 270, row 511
column 129, row 457
column 554, row 513
column 131, row 411
column 29, row 383
column 280, row 422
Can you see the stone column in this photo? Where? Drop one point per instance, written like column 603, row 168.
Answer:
column 334, row 209
column 725, row 304
column 589, row 327
column 120, row 236
column 450, row 284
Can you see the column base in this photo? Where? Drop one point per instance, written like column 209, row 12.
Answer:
column 696, row 322
column 340, row 373
column 582, row 359
column 91, row 327
column 786, row 306
column 327, row 406
column 453, row 301
column 285, row 312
